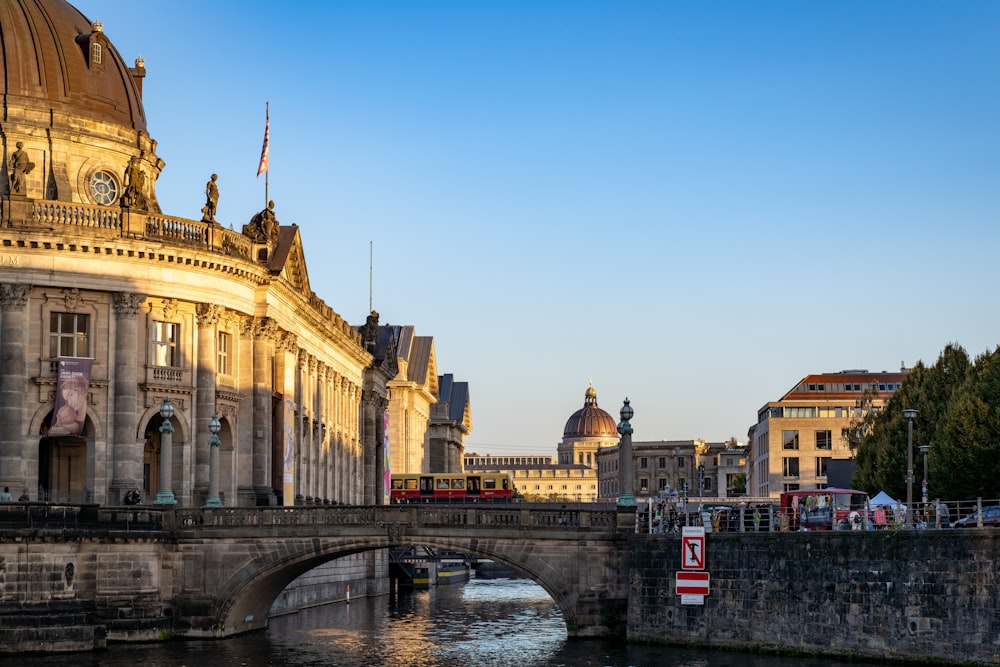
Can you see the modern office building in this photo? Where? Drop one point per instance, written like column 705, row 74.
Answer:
column 797, row 436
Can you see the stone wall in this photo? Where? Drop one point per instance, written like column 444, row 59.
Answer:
column 925, row 594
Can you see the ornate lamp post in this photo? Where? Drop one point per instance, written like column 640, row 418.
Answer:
column 214, row 426
column 910, row 414
column 626, row 497
column 165, row 496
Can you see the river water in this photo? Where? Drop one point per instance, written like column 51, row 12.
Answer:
column 484, row 623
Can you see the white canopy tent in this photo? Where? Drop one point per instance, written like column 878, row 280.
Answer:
column 883, row 498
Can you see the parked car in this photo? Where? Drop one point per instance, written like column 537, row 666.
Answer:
column 991, row 518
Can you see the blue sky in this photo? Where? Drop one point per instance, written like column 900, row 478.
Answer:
column 693, row 204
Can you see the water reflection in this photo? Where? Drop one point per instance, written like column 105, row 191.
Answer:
column 485, row 623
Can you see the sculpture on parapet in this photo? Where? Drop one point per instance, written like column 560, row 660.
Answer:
column 134, row 195
column 211, row 200
column 369, row 332
column 20, row 166
column 263, row 227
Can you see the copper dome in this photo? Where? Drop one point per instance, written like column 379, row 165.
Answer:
column 60, row 66
column 590, row 421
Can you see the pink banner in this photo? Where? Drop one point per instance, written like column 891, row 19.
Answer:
column 70, row 411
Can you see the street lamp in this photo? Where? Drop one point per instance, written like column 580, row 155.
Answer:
column 925, row 450
column 701, row 482
column 910, row 414
column 165, row 496
column 626, row 497
column 214, row 426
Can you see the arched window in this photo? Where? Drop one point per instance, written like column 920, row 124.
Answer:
column 96, row 53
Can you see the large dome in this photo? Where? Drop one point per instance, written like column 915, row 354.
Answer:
column 55, row 59
column 590, row 421
column 73, row 109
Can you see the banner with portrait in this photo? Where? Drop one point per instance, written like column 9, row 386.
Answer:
column 387, row 459
column 69, row 414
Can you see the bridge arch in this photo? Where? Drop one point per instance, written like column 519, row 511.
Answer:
column 577, row 567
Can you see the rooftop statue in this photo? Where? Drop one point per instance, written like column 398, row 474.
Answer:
column 20, row 166
column 263, row 227
column 134, row 195
column 211, row 200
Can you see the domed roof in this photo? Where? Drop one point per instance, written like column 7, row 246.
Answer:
column 590, row 421
column 59, row 64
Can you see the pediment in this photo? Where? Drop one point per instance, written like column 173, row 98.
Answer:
column 288, row 262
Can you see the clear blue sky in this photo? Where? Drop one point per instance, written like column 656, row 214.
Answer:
column 692, row 204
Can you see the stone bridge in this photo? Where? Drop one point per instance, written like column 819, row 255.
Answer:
column 146, row 573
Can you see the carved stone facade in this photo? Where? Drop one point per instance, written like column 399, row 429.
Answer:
column 221, row 322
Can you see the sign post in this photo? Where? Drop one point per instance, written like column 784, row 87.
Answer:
column 692, row 580
column 693, row 548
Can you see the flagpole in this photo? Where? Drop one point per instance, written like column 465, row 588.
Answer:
column 267, row 124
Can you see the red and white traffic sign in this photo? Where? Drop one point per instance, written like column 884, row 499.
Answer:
column 693, row 548
column 692, row 583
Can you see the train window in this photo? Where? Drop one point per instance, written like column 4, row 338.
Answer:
column 458, row 483
column 442, row 484
column 489, row 483
column 411, row 485
column 397, row 484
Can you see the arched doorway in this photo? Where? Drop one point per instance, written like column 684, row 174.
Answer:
column 62, row 466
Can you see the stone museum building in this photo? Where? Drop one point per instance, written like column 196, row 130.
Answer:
column 207, row 363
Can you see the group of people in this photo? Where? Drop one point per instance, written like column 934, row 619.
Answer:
column 6, row 497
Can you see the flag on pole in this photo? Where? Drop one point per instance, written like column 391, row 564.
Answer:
column 263, row 151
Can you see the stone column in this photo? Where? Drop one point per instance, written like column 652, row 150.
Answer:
column 263, row 330
column 126, row 449
column 369, row 405
column 208, row 317
column 13, row 386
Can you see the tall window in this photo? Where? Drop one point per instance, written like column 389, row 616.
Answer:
column 790, row 466
column 225, row 340
column 165, row 337
column 96, row 53
column 663, row 462
column 69, row 335
column 790, row 439
column 643, row 462
column 822, row 463
column 824, row 440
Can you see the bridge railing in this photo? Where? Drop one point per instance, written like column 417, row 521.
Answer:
column 511, row 516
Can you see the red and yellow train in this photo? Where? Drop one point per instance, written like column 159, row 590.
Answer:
column 491, row 487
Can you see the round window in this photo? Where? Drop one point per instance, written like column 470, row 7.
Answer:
column 104, row 188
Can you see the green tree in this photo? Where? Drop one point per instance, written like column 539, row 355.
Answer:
column 957, row 403
column 965, row 451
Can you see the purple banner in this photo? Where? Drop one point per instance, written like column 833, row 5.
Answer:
column 70, row 411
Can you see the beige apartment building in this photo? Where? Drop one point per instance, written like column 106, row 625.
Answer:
column 797, row 436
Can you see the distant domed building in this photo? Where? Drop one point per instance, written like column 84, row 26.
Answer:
column 587, row 430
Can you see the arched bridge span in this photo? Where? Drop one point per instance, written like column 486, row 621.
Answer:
column 230, row 564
